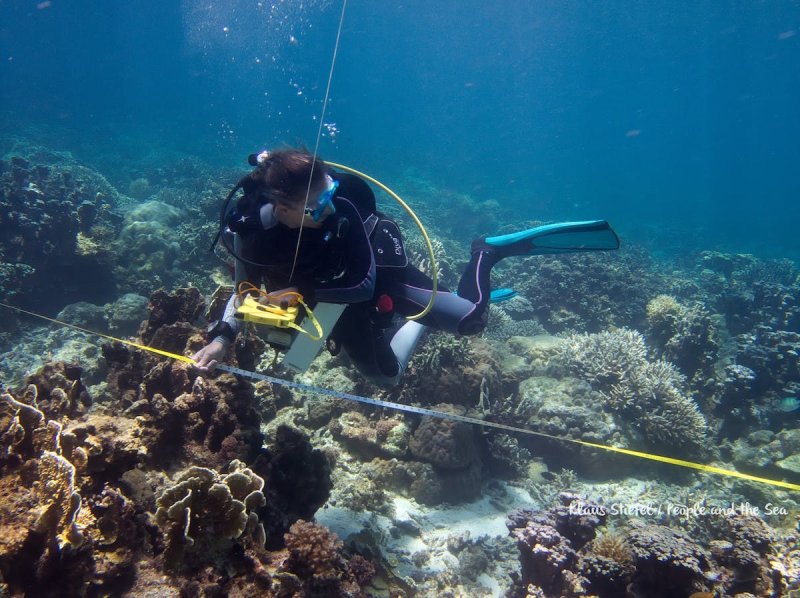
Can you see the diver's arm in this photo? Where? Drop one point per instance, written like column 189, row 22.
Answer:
column 240, row 275
column 357, row 283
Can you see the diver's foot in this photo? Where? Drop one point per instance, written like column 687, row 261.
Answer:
column 499, row 251
column 559, row 237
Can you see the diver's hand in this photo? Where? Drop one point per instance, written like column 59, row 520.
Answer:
column 289, row 295
column 207, row 358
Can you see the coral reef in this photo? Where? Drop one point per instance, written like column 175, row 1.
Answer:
column 560, row 555
column 412, row 479
column 148, row 252
column 447, row 369
column 57, row 221
column 685, row 336
column 39, row 519
column 452, row 448
column 667, row 561
column 297, row 481
column 587, row 293
column 185, row 418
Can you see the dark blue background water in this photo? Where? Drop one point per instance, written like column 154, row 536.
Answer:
column 677, row 120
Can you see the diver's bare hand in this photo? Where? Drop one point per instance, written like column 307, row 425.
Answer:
column 207, row 358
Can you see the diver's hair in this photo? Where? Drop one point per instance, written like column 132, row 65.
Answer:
column 286, row 173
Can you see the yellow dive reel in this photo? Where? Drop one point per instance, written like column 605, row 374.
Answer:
column 280, row 315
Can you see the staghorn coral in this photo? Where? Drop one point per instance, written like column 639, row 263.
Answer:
column 202, row 513
column 650, row 397
column 605, row 358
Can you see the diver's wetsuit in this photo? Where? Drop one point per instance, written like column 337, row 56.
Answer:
column 336, row 264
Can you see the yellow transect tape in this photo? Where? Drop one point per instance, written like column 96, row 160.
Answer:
column 113, row 338
column 420, row 410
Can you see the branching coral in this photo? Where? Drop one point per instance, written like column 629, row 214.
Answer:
column 647, row 395
column 684, row 335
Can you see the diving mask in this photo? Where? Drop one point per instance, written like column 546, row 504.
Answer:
column 325, row 202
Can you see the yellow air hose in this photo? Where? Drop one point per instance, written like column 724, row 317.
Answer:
column 434, row 268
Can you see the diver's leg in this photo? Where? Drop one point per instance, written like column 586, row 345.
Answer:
column 404, row 342
column 411, row 293
column 367, row 346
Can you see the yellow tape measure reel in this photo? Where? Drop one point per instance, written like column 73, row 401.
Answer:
column 280, row 315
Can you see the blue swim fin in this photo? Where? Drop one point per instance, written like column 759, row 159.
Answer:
column 499, row 295
column 561, row 237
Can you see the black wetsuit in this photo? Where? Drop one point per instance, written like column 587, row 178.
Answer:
column 337, row 264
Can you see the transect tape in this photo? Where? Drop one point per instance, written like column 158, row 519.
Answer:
column 430, row 412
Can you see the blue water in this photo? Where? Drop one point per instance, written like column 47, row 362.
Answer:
column 677, row 121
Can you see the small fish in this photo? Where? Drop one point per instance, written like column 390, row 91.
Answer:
column 789, row 404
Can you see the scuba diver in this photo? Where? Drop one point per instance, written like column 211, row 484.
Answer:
column 301, row 227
